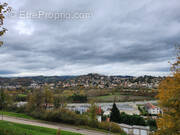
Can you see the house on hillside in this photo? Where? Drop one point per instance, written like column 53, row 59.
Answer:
column 152, row 109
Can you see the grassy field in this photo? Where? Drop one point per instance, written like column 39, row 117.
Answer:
column 9, row 128
column 19, row 115
column 119, row 98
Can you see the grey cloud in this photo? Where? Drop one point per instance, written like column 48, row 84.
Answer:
column 7, row 72
column 161, row 69
column 119, row 32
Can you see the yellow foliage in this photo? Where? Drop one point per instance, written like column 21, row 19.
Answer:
column 82, row 92
column 68, row 93
column 169, row 101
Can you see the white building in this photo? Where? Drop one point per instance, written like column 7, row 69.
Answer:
column 99, row 118
column 107, row 113
column 135, row 130
column 151, row 109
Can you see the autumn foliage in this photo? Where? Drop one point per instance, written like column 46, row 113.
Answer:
column 169, row 101
column 3, row 10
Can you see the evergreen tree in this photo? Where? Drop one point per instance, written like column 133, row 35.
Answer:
column 115, row 114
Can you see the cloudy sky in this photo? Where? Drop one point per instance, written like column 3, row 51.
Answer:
column 117, row 37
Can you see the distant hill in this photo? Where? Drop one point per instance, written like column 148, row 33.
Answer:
column 92, row 78
column 26, row 81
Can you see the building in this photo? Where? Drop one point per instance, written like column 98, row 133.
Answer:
column 135, row 130
column 152, row 109
column 107, row 113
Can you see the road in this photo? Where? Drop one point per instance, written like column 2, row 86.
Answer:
column 53, row 125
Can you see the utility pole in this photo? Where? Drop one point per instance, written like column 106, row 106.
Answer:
column 2, row 114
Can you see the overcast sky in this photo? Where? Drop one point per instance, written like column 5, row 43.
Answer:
column 119, row 37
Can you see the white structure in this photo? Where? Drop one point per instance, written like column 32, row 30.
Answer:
column 151, row 109
column 107, row 113
column 80, row 109
column 135, row 130
column 98, row 117
column 21, row 104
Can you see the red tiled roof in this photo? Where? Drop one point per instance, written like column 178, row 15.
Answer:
column 150, row 106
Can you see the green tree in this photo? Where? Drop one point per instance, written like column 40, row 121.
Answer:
column 2, row 99
column 115, row 114
column 59, row 101
column 35, row 100
column 5, row 100
column 78, row 98
column 152, row 123
column 48, row 97
column 93, row 114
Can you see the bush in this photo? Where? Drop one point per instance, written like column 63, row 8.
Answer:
column 21, row 97
column 36, row 114
column 61, row 115
column 132, row 119
column 14, row 108
column 116, row 128
column 93, row 123
column 104, row 125
column 111, row 126
column 78, row 98
column 152, row 123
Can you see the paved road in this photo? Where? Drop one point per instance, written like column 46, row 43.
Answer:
column 53, row 125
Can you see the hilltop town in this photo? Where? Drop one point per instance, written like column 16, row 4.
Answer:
column 83, row 81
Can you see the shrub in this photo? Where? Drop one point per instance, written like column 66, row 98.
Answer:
column 61, row 115
column 21, row 97
column 104, row 125
column 116, row 128
column 152, row 123
column 78, row 98
column 111, row 126
column 14, row 108
column 132, row 119
column 93, row 123
column 37, row 114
